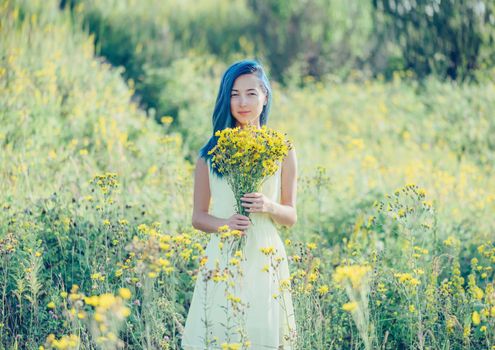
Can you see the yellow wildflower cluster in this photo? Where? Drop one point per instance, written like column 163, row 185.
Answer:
column 109, row 312
column 268, row 250
column 105, row 182
column 249, row 150
column 452, row 241
column 154, row 251
column 234, row 239
column 306, row 270
column 487, row 250
column 407, row 279
column 247, row 156
column 8, row 244
column 350, row 306
column 66, row 342
column 355, row 274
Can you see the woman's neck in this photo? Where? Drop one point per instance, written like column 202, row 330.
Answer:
column 242, row 126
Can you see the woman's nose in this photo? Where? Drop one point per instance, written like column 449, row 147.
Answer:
column 243, row 101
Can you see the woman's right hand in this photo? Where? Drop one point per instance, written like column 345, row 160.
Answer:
column 238, row 222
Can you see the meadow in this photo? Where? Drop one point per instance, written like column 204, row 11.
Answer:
column 394, row 244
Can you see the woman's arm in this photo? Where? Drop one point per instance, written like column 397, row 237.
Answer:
column 201, row 220
column 284, row 213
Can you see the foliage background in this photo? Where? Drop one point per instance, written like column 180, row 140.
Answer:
column 389, row 94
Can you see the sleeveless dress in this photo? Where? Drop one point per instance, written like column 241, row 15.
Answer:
column 266, row 319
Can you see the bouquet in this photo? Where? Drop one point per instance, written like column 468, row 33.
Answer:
column 246, row 158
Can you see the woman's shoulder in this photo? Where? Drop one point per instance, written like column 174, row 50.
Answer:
column 202, row 165
column 290, row 157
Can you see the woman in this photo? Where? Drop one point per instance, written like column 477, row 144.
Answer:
column 256, row 309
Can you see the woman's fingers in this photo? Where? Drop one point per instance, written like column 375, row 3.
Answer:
column 251, row 205
column 243, row 223
column 252, row 195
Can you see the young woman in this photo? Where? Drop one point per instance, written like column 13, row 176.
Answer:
column 257, row 306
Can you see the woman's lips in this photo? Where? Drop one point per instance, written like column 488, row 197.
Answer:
column 246, row 112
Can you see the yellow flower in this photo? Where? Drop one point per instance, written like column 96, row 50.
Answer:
column 311, row 246
column 349, row 307
column 268, row 250
column 106, row 300
column 51, row 305
column 203, row 261
column 234, row 262
column 356, row 274
column 92, row 300
column 312, row 277
column 476, row 318
column 166, row 120
column 323, row 289
column 125, row 293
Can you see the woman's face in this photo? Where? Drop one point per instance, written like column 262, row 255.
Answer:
column 247, row 99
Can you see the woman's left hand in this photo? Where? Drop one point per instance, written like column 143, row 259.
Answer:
column 257, row 203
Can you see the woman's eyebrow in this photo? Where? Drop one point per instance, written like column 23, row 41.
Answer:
column 246, row 90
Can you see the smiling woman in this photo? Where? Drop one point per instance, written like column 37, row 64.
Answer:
column 242, row 298
column 247, row 100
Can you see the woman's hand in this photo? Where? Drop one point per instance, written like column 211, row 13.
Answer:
column 238, row 222
column 257, row 203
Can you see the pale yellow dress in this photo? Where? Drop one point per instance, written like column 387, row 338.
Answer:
column 267, row 318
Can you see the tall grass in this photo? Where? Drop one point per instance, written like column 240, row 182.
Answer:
column 392, row 248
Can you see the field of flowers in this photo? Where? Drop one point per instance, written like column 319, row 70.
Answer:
column 394, row 245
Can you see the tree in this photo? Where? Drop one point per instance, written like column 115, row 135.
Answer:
column 449, row 38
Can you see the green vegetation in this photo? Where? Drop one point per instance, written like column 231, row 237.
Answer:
column 394, row 242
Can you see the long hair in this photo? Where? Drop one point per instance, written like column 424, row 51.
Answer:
column 222, row 117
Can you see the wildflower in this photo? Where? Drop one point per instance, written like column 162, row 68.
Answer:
column 349, row 307
column 354, row 273
column 203, row 261
column 234, row 262
column 125, row 293
column 312, row 277
column 296, row 258
column 166, row 120
column 233, row 299
column 51, row 305
column 311, row 246
column 268, row 250
column 323, row 289
column 475, row 317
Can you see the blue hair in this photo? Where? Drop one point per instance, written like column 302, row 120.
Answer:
column 222, row 117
